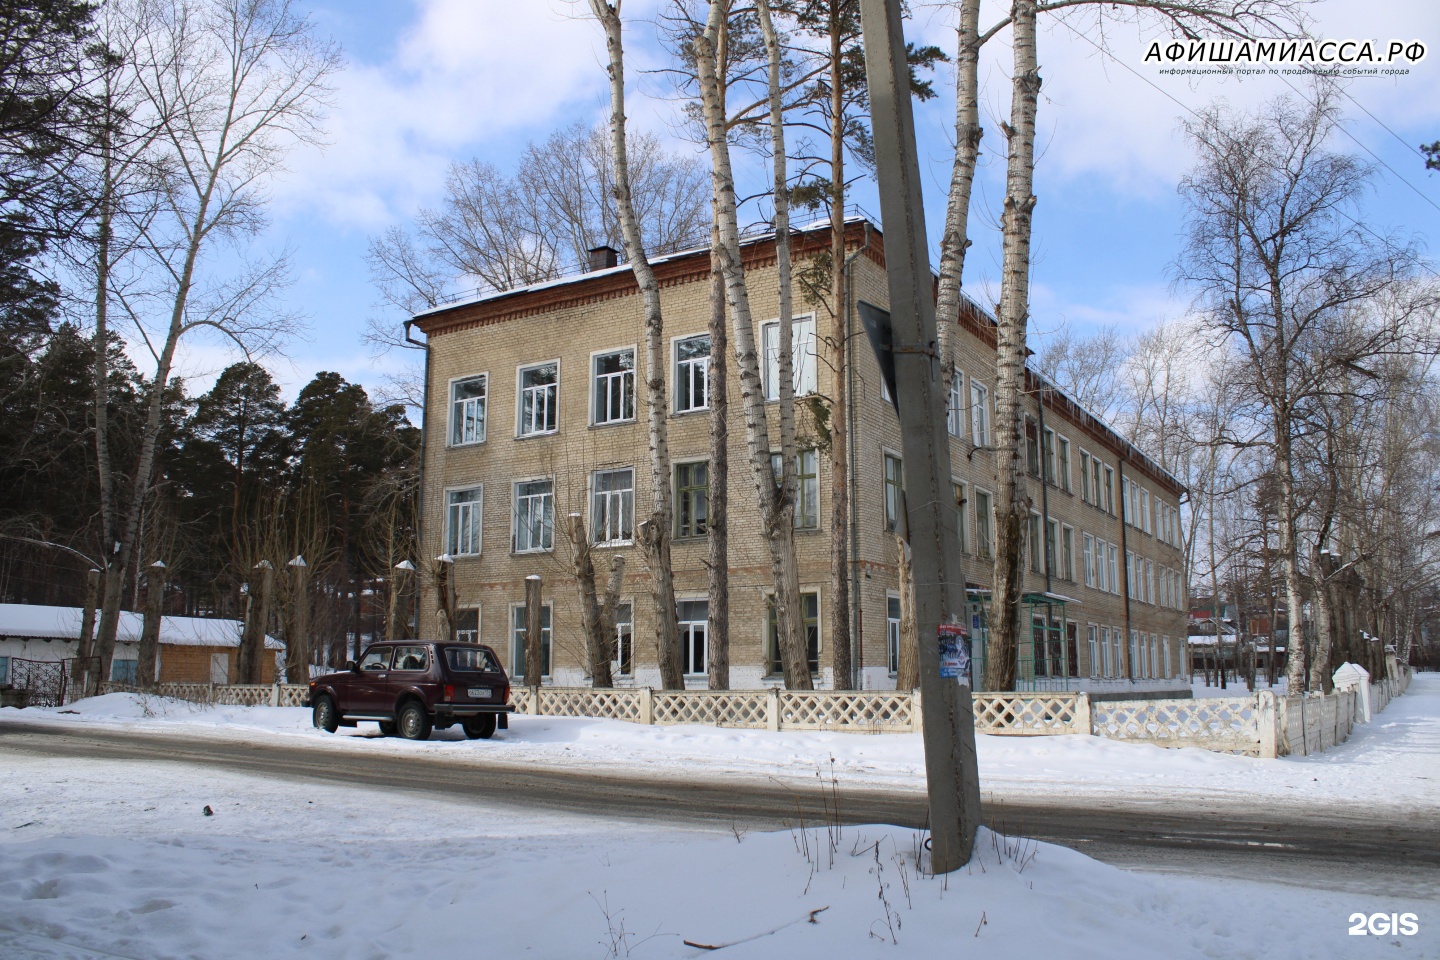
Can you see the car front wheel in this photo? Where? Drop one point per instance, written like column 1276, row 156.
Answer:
column 414, row 722
column 324, row 714
column 481, row 727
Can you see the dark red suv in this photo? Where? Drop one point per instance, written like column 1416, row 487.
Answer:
column 410, row 686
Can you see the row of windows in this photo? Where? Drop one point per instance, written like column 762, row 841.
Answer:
column 612, row 507
column 1149, row 654
column 693, row 617
column 612, row 384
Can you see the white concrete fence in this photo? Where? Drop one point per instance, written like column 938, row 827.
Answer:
column 1257, row 725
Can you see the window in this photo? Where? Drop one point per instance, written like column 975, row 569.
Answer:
column 375, row 660
column 1130, row 574
column 1117, row 664
column 1067, row 553
column 1126, row 489
column 692, row 498
column 614, row 374
column 1062, row 455
column 625, row 639
column 467, row 625
column 1114, row 558
column 462, row 520
column 979, row 414
column 124, row 671
column 694, row 616
column 1109, row 490
column 984, row 541
column 802, row 354
column 1097, row 483
column 534, row 515
column 1149, row 581
column 894, row 487
column 472, row 660
column 1052, row 554
column 5, row 669
column 962, row 498
column 1145, row 509
column 692, row 373
column 1093, row 646
column 1085, row 476
column 1134, row 653
column 517, row 641
column 1165, row 657
column 1135, row 505
column 892, row 632
column 612, row 506
column 807, row 488
column 955, row 411
column 412, row 657
column 1106, row 663
column 1033, row 541
column 1052, row 473
column 810, row 623
column 1088, row 549
column 539, row 391
column 1032, row 448
column 467, row 410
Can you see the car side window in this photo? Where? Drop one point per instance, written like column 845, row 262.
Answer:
column 376, row 659
column 412, row 658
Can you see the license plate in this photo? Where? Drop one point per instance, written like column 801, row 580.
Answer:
column 479, row 692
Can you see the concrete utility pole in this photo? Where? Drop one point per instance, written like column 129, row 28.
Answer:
column 951, row 769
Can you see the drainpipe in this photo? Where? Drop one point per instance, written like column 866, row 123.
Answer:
column 1125, row 548
column 420, row 489
column 855, row 605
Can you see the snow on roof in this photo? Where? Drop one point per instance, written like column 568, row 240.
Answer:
column 63, row 623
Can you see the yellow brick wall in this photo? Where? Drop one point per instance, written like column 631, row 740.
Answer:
column 187, row 664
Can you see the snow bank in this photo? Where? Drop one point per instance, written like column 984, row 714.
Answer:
column 104, row 858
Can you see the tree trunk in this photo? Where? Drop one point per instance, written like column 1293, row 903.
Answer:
column 779, row 531
column 841, row 642
column 297, row 627
column 1012, row 501
column 1323, row 608
column 146, row 675
column 85, row 650
column 608, row 604
column 534, row 631
column 955, row 241
column 717, row 551
column 597, row 646
column 907, row 668
column 446, row 602
column 250, row 661
column 397, row 620
column 654, row 534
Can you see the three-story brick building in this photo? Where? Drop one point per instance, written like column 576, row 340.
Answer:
column 536, row 409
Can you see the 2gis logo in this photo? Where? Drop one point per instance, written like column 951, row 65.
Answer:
column 1384, row 924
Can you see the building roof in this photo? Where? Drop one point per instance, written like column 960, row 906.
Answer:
column 31, row 620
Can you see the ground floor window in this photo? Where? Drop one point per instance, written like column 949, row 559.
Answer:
column 124, row 671
column 625, row 638
column 892, row 633
column 694, row 616
column 517, row 641
column 1093, row 646
column 810, row 620
column 467, row 625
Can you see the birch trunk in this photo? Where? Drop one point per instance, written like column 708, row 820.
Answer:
column 955, row 241
column 717, row 550
column 655, row 533
column 534, row 631
column 608, row 605
column 148, row 656
column 1326, row 621
column 1012, row 501
column 596, row 641
column 1295, row 666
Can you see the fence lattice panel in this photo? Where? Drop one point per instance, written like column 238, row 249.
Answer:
column 1025, row 713
column 882, row 710
column 1226, row 724
column 294, row 694
column 718, row 708
column 585, row 702
column 520, row 699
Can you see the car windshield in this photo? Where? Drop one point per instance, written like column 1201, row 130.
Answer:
column 472, row 660
column 377, row 658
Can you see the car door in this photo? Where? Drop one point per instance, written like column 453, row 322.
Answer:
column 369, row 687
column 411, row 670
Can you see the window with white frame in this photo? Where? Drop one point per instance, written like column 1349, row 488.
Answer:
column 1093, row 646
column 1052, row 548
column 614, row 374
column 1116, row 652
column 692, row 373
column 1129, row 574
column 462, row 521
column 807, row 487
column 692, row 499
column 1145, row 510
column 1087, row 550
column 1126, row 514
column 955, row 409
column 1149, row 581
column 1113, row 553
column 892, row 632
column 894, row 488
column 517, row 642
column 984, row 526
column 1062, row 457
column 1135, row 505
column 534, row 515
column 1135, row 653
column 1047, row 452
column 467, row 625
column 612, row 506
column 1106, row 664
column 1109, row 490
column 810, row 624
column 694, row 616
column 1085, row 476
column 979, row 414
column 1032, row 541
column 1067, row 552
column 962, row 506
column 539, row 399
column 802, row 355
column 1165, row 657
column 625, row 638
column 467, row 410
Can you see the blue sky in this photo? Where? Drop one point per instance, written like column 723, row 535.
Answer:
column 431, row 81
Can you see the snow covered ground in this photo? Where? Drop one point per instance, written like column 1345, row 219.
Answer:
column 1393, row 762
column 103, row 858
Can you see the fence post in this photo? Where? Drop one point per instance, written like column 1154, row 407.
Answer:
column 535, row 701
column 647, row 705
column 1084, row 719
column 917, row 715
column 1265, row 721
column 772, row 709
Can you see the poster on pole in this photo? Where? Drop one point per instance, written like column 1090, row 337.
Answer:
column 954, row 652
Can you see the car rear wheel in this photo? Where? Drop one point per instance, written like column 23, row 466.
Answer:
column 414, row 722
column 481, row 727
column 387, row 728
column 324, row 714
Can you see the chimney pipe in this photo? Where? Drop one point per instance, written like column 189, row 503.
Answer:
column 602, row 258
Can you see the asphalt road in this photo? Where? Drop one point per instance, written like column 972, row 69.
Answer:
column 1341, row 848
